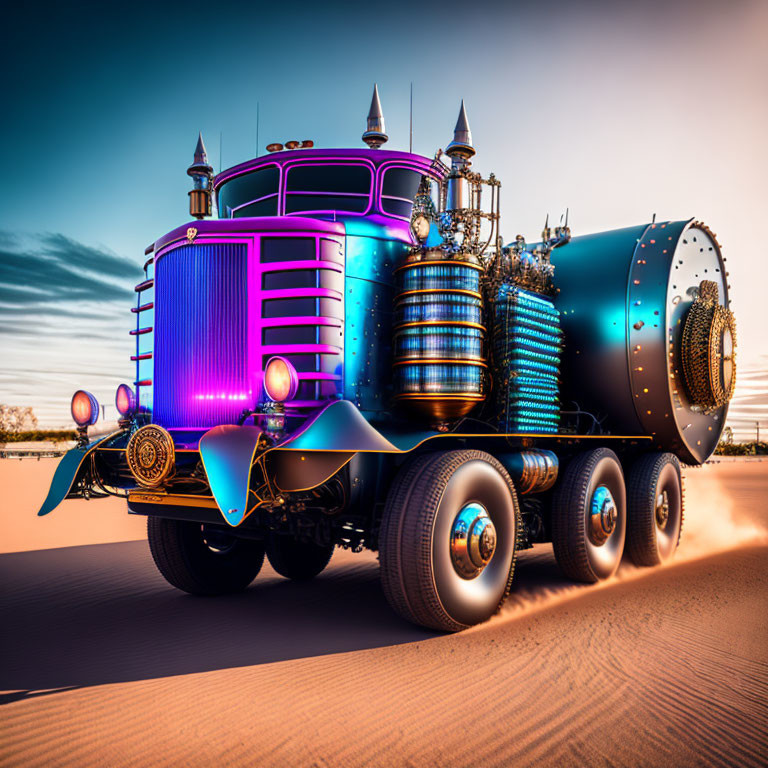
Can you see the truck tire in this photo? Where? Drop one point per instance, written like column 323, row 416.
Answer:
column 202, row 560
column 655, row 500
column 295, row 559
column 448, row 539
column 589, row 516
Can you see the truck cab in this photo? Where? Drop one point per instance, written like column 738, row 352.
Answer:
column 349, row 355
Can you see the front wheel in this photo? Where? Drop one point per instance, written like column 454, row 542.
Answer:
column 448, row 536
column 201, row 559
column 589, row 517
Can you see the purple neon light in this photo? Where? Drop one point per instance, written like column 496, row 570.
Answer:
column 209, row 356
column 223, row 396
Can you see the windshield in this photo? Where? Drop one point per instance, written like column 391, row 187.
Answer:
column 318, row 187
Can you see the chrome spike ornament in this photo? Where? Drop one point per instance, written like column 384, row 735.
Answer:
column 461, row 149
column 201, row 172
column 201, row 156
column 376, row 133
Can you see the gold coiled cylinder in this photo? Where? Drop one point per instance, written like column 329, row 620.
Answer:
column 439, row 336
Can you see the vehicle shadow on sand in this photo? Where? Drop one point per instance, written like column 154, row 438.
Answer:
column 94, row 615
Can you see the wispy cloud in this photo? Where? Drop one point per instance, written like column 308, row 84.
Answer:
column 64, row 321
column 51, row 270
column 750, row 401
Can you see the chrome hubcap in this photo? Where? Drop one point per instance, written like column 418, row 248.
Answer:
column 602, row 515
column 473, row 540
column 662, row 509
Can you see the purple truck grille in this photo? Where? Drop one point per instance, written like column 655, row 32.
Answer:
column 223, row 308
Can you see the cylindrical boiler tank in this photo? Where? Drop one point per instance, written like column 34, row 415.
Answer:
column 439, row 335
column 649, row 339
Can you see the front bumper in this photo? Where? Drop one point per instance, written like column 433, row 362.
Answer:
column 240, row 471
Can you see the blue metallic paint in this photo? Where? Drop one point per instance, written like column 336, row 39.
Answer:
column 227, row 453
column 67, row 472
column 369, row 295
column 339, row 427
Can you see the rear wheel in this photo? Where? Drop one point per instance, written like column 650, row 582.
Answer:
column 589, row 516
column 203, row 560
column 295, row 559
column 655, row 499
column 448, row 539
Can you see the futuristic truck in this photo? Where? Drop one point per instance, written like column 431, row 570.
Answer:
column 350, row 355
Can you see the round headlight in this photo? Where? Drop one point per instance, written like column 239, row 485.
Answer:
column 125, row 400
column 85, row 408
column 280, row 380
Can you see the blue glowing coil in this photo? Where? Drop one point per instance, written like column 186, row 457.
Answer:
column 527, row 347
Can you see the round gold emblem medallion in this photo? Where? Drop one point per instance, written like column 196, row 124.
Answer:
column 151, row 456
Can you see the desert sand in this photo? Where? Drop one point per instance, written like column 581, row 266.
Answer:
column 104, row 664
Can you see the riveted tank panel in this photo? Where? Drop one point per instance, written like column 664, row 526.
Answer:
column 624, row 298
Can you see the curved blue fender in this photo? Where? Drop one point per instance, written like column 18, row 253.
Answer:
column 339, row 427
column 227, row 452
column 66, row 474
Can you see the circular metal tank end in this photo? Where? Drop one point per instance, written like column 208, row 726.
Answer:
column 625, row 297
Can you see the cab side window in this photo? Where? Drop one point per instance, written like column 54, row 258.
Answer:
column 398, row 191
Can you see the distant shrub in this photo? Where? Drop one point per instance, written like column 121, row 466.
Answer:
column 731, row 449
column 38, row 435
column 742, row 449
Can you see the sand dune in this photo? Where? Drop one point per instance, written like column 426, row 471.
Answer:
column 106, row 665
column 23, row 486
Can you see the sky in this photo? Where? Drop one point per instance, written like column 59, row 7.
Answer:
column 616, row 110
